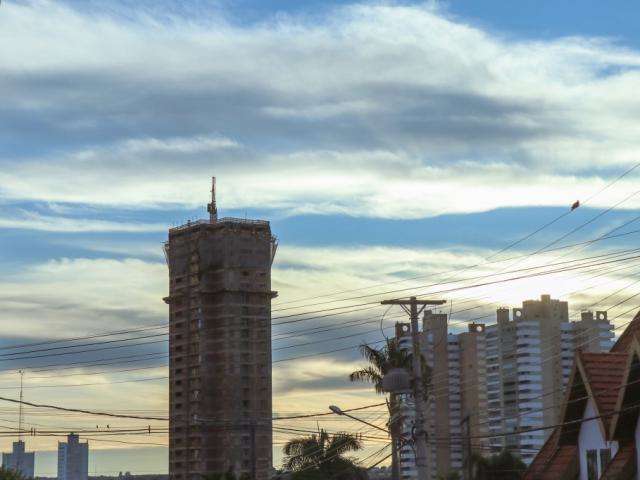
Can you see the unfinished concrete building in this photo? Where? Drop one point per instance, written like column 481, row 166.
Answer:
column 220, row 347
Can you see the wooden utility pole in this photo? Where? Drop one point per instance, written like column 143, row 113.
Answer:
column 414, row 308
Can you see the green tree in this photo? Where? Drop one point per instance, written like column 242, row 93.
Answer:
column 381, row 361
column 503, row 466
column 321, row 456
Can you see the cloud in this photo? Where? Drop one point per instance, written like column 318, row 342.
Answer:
column 34, row 221
column 75, row 296
column 370, row 110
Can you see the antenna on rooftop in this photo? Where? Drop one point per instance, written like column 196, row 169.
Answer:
column 211, row 207
column 20, row 412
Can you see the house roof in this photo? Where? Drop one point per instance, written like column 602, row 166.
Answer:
column 596, row 376
column 605, row 374
column 542, row 459
column 601, row 377
column 553, row 461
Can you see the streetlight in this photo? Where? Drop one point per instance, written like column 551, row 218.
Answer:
column 338, row 411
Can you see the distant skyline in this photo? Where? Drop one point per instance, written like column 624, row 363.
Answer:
column 384, row 140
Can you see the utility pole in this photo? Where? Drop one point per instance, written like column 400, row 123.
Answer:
column 414, row 308
column 467, row 458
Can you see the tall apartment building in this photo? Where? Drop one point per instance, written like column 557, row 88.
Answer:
column 73, row 459
column 529, row 359
column 407, row 414
column 19, row 460
column 458, row 398
column 220, row 347
column 457, row 395
column 497, row 378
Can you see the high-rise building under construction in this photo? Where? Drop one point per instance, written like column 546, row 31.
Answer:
column 220, row 347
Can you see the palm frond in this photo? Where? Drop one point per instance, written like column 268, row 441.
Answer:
column 343, row 442
column 302, row 452
column 368, row 374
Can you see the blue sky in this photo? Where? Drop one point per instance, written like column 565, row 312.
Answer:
column 384, row 140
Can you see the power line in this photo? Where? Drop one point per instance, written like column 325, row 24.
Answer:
column 87, row 384
column 479, row 277
column 86, row 337
column 509, row 246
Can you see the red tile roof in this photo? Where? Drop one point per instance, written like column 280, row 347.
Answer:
column 604, row 376
column 553, row 461
column 564, row 464
column 604, row 372
column 624, row 340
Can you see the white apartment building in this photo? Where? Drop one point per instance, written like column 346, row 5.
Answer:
column 407, row 454
column 73, row 459
column 497, row 378
column 529, row 360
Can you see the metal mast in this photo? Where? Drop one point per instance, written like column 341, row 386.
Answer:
column 20, row 411
column 211, row 207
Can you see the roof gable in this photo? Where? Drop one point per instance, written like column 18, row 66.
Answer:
column 624, row 340
column 605, row 373
column 596, row 376
column 624, row 421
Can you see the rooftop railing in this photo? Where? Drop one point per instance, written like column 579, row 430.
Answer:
column 224, row 220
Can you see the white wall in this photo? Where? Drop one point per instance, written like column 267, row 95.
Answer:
column 591, row 438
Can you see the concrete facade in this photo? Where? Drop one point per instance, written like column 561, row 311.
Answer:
column 73, row 459
column 19, row 460
column 220, row 347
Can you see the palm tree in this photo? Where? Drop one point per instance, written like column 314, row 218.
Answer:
column 321, row 456
column 381, row 361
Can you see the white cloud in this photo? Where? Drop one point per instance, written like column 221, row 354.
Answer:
column 373, row 110
column 34, row 221
column 68, row 297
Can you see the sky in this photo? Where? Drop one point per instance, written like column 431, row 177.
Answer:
column 387, row 143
